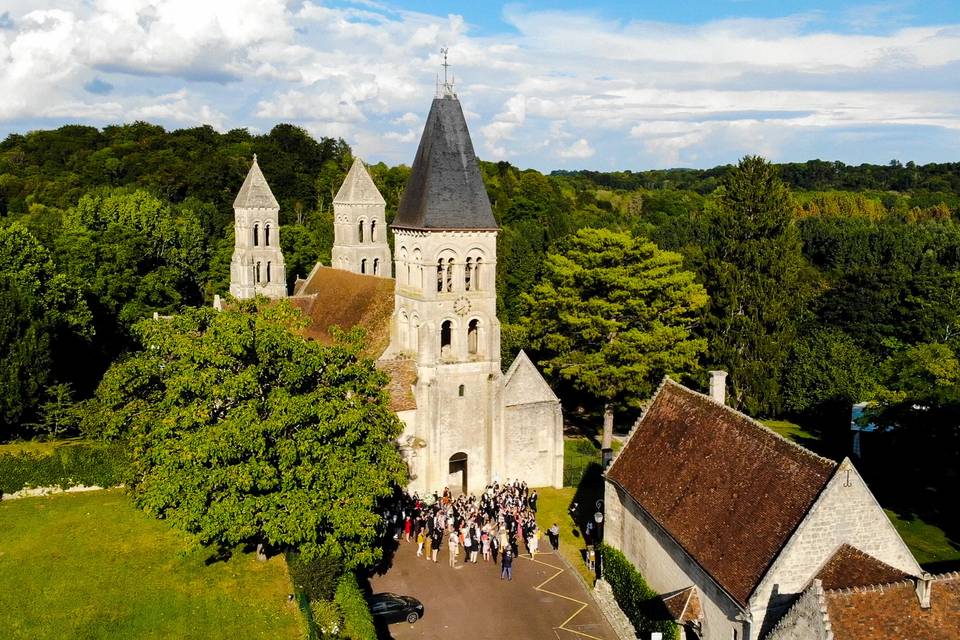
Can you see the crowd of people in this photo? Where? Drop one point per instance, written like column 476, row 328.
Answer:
column 490, row 528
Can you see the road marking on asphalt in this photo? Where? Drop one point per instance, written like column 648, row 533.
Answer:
column 583, row 605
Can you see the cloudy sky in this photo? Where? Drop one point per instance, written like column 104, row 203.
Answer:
column 550, row 85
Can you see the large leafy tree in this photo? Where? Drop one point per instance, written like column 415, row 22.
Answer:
column 755, row 271
column 133, row 254
column 613, row 314
column 40, row 310
column 243, row 431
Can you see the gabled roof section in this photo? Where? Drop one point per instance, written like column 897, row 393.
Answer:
column 727, row 489
column 885, row 611
column 445, row 190
column 358, row 187
column 850, row 567
column 523, row 383
column 255, row 192
column 335, row 297
column 683, row 605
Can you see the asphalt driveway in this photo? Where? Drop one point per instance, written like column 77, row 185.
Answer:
column 544, row 600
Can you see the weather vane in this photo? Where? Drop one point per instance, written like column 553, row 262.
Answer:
column 447, row 85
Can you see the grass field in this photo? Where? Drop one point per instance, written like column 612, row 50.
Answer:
column 93, row 566
column 553, row 506
column 34, row 447
column 928, row 543
column 790, row 430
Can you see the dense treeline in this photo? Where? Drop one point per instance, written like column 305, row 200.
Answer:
column 813, row 175
column 827, row 283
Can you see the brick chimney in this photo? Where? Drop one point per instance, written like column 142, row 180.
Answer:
column 924, row 587
column 718, row 386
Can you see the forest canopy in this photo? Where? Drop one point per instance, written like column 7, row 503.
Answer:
column 131, row 220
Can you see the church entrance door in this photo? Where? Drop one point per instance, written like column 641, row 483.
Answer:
column 457, row 478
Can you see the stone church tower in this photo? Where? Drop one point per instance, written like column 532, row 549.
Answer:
column 360, row 227
column 445, row 306
column 257, row 265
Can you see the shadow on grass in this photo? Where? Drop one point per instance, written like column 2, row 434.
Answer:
column 222, row 554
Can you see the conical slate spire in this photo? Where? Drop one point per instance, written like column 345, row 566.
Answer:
column 255, row 192
column 445, row 190
column 358, row 187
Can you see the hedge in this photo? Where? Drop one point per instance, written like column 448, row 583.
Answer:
column 357, row 619
column 641, row 604
column 316, row 578
column 71, row 464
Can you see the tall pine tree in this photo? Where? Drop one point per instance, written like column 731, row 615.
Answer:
column 755, row 273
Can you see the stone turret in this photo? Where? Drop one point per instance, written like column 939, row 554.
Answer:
column 360, row 227
column 257, row 266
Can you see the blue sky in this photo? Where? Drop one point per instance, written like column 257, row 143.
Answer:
column 618, row 85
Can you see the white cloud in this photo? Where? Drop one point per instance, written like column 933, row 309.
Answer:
column 579, row 149
column 562, row 84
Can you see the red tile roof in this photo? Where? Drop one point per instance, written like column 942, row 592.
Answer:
column 892, row 611
column 403, row 375
column 332, row 297
column 683, row 605
column 345, row 299
column 728, row 490
column 850, row 567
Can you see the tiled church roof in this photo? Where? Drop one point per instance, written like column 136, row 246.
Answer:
column 255, row 192
column 727, row 489
column 850, row 567
column 888, row 611
column 358, row 187
column 445, row 190
column 335, row 297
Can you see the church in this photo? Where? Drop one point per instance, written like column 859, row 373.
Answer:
column 431, row 320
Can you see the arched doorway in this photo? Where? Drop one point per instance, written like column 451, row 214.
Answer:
column 457, row 475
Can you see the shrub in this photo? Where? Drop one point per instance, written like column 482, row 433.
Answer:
column 641, row 604
column 357, row 619
column 67, row 465
column 317, row 577
column 326, row 618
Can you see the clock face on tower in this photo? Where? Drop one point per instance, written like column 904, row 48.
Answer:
column 461, row 306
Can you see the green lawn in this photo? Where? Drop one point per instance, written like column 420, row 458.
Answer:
column 928, row 543
column 93, row 566
column 789, row 430
column 35, row 447
column 553, row 506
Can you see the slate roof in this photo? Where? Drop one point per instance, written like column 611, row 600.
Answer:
column 728, row 490
column 888, row 611
column 445, row 190
column 358, row 187
column 850, row 567
column 255, row 192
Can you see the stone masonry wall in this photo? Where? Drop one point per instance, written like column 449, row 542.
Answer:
column 530, row 434
column 846, row 512
column 806, row 620
column 664, row 565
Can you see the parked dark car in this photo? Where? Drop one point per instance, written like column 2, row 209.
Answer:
column 390, row 607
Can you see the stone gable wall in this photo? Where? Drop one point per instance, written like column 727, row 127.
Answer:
column 846, row 512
